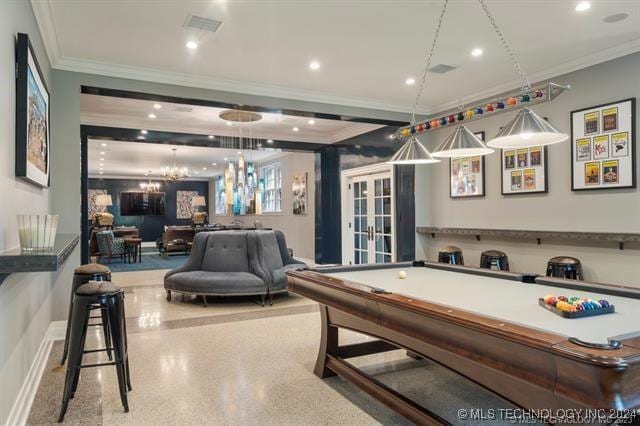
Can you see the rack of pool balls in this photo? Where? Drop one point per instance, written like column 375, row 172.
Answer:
column 576, row 307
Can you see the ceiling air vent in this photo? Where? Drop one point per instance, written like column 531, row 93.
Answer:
column 441, row 69
column 200, row 23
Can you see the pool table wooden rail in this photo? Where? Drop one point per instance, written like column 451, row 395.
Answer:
column 531, row 368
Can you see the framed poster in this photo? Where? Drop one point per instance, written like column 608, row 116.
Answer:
column 603, row 146
column 184, row 209
column 524, row 170
column 32, row 117
column 466, row 175
column 299, row 193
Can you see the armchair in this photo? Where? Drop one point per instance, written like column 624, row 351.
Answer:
column 110, row 246
column 199, row 219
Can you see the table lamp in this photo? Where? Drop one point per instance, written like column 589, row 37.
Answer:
column 104, row 200
column 198, row 201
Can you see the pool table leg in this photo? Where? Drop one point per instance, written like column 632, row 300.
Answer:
column 328, row 345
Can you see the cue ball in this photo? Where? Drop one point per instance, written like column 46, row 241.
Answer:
column 402, row 275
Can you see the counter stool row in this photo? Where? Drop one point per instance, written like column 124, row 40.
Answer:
column 559, row 267
column 92, row 291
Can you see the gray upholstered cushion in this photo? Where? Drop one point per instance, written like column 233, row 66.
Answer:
column 226, row 251
column 220, row 283
column 280, row 276
column 269, row 250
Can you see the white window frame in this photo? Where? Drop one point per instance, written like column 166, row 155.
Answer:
column 272, row 188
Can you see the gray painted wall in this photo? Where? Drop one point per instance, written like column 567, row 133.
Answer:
column 560, row 209
column 298, row 229
column 26, row 301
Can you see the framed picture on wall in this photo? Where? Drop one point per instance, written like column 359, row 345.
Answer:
column 466, row 175
column 32, row 117
column 603, row 146
column 524, row 170
column 299, row 193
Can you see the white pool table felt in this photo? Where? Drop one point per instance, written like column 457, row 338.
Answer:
column 505, row 300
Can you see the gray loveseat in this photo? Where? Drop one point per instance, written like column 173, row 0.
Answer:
column 233, row 263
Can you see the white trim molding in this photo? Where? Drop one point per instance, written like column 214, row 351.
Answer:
column 22, row 405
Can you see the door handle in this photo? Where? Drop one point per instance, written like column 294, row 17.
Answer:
column 370, row 233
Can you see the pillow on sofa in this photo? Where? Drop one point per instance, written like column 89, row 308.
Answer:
column 226, row 251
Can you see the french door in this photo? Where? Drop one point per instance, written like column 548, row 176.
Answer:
column 370, row 219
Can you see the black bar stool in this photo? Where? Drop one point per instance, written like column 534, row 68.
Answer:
column 497, row 259
column 451, row 255
column 82, row 275
column 109, row 299
column 565, row 267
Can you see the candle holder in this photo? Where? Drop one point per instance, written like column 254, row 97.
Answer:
column 37, row 232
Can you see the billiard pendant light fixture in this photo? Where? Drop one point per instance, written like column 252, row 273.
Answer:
column 526, row 129
column 461, row 143
column 413, row 152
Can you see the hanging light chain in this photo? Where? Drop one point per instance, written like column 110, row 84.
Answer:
column 428, row 64
column 523, row 77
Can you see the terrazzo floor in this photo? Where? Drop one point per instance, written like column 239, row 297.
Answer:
column 238, row 363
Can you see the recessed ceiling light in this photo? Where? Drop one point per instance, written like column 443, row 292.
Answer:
column 101, row 173
column 157, row 106
column 141, row 137
column 616, row 17
column 151, row 115
column 582, row 6
column 312, row 122
column 229, row 123
column 204, row 168
column 239, row 152
column 102, row 159
column 226, row 158
column 191, row 45
column 269, row 140
column 144, row 132
column 295, row 129
column 314, row 65
column 477, row 52
column 214, row 164
column 101, row 152
column 210, row 136
column 410, row 81
column 103, row 144
column 146, row 174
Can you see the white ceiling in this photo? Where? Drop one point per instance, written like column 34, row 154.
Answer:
column 133, row 114
column 367, row 48
column 134, row 159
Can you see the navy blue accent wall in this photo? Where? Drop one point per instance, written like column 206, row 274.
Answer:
column 151, row 227
column 369, row 148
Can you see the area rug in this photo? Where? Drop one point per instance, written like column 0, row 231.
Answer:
column 149, row 261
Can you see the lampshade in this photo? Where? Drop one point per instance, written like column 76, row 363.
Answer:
column 103, row 200
column 527, row 129
column 461, row 143
column 413, row 152
column 198, row 201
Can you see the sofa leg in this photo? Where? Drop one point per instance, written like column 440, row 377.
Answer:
column 270, row 299
column 263, row 296
column 168, row 296
column 204, row 299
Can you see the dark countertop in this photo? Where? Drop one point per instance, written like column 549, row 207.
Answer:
column 12, row 261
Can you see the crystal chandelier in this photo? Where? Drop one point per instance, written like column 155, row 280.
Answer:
column 173, row 173
column 150, row 186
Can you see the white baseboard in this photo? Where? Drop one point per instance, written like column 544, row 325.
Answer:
column 22, row 406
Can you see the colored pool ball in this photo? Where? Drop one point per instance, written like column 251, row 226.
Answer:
column 574, row 299
column 563, row 298
column 512, row 101
column 460, row 116
column 500, row 105
column 402, row 275
column 489, row 107
column 578, row 306
column 452, row 118
column 548, row 298
column 443, row 121
column 479, row 111
column 604, row 303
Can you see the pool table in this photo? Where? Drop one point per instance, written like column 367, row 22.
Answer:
column 485, row 325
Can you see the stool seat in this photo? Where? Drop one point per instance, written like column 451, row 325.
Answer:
column 92, row 268
column 494, row 259
column 565, row 267
column 97, row 288
column 451, row 255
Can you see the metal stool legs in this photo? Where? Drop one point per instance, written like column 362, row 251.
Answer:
column 112, row 312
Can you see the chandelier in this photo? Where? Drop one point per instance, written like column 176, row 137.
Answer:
column 173, row 173
column 150, row 186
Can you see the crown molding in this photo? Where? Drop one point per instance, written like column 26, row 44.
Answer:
column 44, row 17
